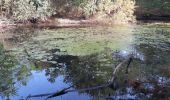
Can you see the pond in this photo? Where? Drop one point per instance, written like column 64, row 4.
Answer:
column 36, row 62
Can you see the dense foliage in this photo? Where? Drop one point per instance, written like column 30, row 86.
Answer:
column 117, row 10
column 26, row 9
column 112, row 10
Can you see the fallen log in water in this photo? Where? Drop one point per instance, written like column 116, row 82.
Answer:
column 66, row 90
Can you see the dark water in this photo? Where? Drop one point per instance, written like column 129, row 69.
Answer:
column 37, row 61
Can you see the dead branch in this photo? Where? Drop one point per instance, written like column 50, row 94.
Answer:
column 129, row 60
column 61, row 92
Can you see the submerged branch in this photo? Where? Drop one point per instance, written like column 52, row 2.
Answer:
column 129, row 60
column 39, row 95
column 61, row 92
column 58, row 93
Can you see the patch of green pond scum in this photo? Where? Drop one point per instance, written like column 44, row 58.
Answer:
column 158, row 37
column 77, row 41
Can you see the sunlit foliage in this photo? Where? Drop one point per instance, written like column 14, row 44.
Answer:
column 26, row 9
column 121, row 10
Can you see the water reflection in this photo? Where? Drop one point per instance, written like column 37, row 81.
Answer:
column 14, row 37
column 44, row 61
column 10, row 75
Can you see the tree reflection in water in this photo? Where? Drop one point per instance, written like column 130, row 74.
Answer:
column 7, row 87
column 145, row 72
column 148, row 76
column 11, row 74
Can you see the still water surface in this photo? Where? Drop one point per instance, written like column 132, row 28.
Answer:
column 37, row 61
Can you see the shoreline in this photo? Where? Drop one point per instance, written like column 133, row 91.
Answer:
column 58, row 23
column 67, row 23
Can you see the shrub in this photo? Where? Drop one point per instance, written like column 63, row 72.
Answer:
column 27, row 9
column 116, row 10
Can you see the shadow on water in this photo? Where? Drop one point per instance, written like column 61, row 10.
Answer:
column 40, row 61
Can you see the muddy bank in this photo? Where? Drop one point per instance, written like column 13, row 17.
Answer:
column 52, row 24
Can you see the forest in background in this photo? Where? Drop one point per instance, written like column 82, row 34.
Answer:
column 112, row 11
